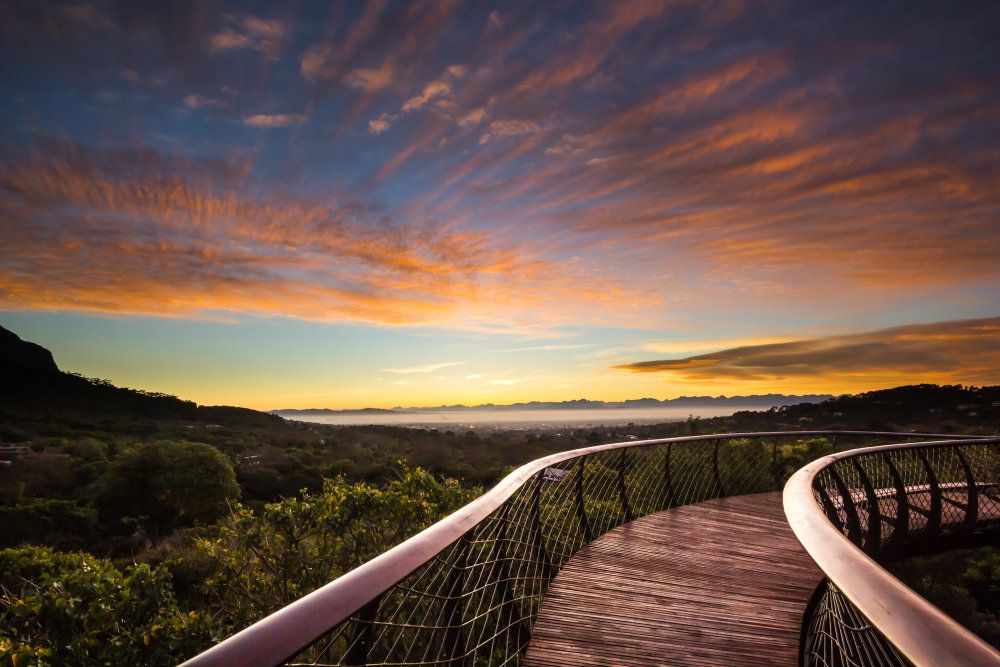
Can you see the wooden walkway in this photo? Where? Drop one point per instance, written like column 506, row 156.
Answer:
column 720, row 583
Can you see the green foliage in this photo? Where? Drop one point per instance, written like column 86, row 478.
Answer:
column 74, row 609
column 264, row 560
column 792, row 455
column 168, row 484
column 965, row 584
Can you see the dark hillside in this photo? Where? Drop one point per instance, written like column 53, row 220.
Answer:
column 17, row 353
column 32, row 388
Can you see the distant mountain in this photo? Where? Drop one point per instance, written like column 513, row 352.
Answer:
column 763, row 401
column 311, row 412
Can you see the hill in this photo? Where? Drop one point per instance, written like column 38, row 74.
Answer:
column 33, row 390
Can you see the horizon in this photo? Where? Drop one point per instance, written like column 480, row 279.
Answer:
column 391, row 204
column 403, row 408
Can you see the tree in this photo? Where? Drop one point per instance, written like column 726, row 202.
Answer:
column 166, row 485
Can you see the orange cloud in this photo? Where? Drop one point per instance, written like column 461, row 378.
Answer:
column 274, row 120
column 139, row 232
column 959, row 351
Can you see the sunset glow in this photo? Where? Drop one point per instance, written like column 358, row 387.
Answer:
column 422, row 203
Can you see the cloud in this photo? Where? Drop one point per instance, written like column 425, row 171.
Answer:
column 314, row 61
column 436, row 89
column 504, row 382
column 472, row 117
column 957, row 351
column 510, row 128
column 547, row 348
column 274, row 120
column 250, row 32
column 141, row 232
column 200, row 101
column 691, row 346
column 85, row 14
column 381, row 124
column 370, row 79
column 429, row 368
column 432, row 90
column 770, row 165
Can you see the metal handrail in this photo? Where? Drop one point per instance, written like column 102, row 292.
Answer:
column 287, row 632
column 920, row 632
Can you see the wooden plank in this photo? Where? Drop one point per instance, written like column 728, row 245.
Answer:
column 723, row 582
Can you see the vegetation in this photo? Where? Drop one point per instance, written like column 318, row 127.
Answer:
column 165, row 485
column 75, row 609
column 139, row 527
column 963, row 583
column 62, row 608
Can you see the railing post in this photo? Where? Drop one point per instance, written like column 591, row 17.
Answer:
column 901, row 527
column 934, row 516
column 581, row 507
column 622, row 490
column 776, row 469
column 873, row 536
column 972, row 507
column 361, row 638
column 831, row 510
column 719, row 490
column 667, row 479
column 847, row 502
column 536, row 524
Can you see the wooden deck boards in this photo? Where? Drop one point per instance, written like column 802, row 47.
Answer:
column 721, row 583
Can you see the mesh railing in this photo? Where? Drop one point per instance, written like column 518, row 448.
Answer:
column 466, row 591
column 881, row 504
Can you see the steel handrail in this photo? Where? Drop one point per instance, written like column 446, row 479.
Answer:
column 288, row 631
column 921, row 632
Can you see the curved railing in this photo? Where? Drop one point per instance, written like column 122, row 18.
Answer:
column 466, row 590
column 879, row 503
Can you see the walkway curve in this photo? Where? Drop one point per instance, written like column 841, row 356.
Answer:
column 722, row 582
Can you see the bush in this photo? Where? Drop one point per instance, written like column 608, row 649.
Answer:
column 56, row 523
column 75, row 609
column 263, row 561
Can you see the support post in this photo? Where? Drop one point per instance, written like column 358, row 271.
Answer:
column 361, row 637
column 972, row 491
column 720, row 491
column 873, row 536
column 622, row 490
column 536, row 524
column 581, row 507
column 667, row 479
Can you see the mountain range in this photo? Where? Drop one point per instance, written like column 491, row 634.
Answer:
column 759, row 401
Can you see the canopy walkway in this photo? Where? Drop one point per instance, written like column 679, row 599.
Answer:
column 721, row 582
column 666, row 552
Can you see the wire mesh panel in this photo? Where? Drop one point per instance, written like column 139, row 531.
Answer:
column 471, row 598
column 837, row 635
column 891, row 502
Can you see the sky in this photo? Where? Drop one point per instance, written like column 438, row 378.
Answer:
column 317, row 204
